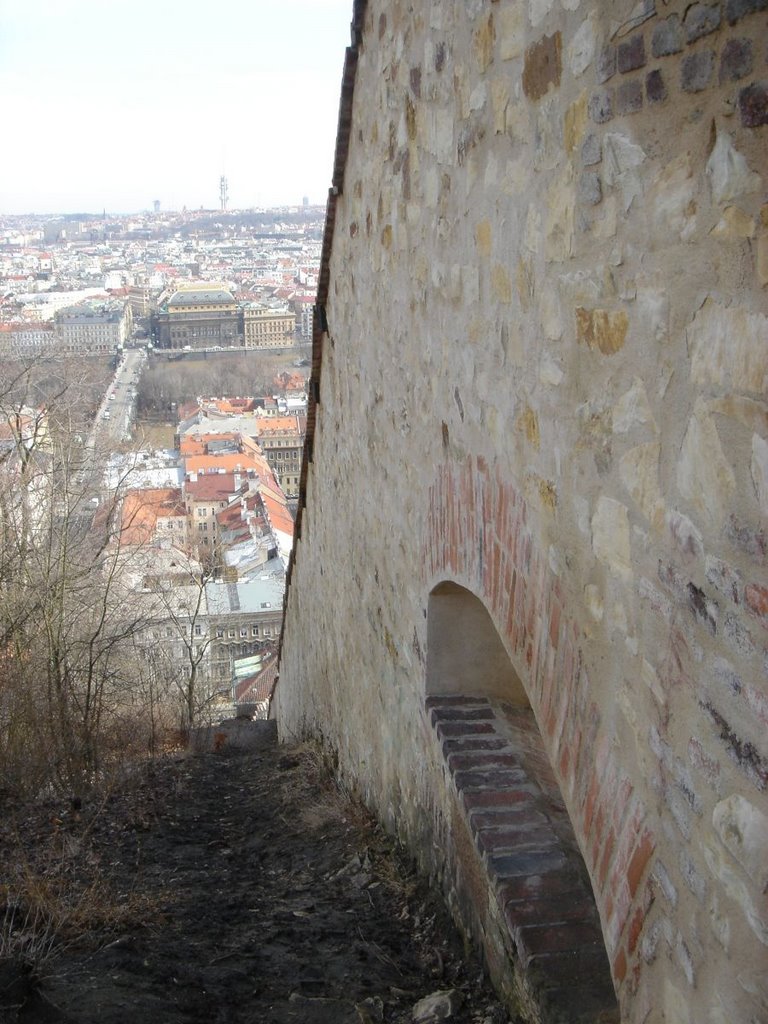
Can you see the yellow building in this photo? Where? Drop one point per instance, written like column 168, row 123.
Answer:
column 282, row 440
column 199, row 315
column 264, row 327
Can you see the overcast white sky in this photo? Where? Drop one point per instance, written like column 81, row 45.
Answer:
column 115, row 103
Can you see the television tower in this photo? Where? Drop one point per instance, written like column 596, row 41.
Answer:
column 223, row 192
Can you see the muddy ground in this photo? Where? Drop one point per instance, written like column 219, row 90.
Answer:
column 232, row 886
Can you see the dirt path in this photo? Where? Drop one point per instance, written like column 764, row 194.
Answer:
column 242, row 887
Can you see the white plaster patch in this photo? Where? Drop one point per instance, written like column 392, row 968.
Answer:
column 431, row 186
column 538, row 10
column 510, row 26
column 560, row 204
column 729, row 173
column 412, row 214
column 519, row 126
column 581, row 51
column 629, row 16
column 721, row 866
column 653, row 311
column 720, row 924
column 581, row 287
column 617, row 617
column 549, row 372
column 551, row 318
column 439, row 135
column 743, row 830
column 606, row 222
column 439, row 14
column 593, row 600
column 555, row 560
column 491, row 171
column 470, row 276
column 650, row 678
column 686, row 537
column 499, row 104
column 754, row 982
column 639, row 470
column 621, row 160
column 704, row 476
column 673, row 1004
column 515, row 176
column 532, row 233
column 734, row 225
column 759, row 467
column 610, row 536
column 673, row 195
column 751, row 414
column 581, row 508
column 633, row 410
column 478, row 97
column 728, row 348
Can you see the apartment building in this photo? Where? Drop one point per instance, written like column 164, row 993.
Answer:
column 22, row 340
column 151, row 515
column 243, row 618
column 281, row 438
column 267, row 327
column 204, row 496
column 93, row 328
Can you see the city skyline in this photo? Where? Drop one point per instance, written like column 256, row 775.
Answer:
column 112, row 111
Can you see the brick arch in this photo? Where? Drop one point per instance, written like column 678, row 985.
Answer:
column 514, row 812
column 478, row 536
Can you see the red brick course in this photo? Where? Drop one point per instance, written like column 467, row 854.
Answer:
column 478, row 536
column 535, row 877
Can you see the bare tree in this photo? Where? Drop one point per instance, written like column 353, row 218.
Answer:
column 182, row 608
column 65, row 635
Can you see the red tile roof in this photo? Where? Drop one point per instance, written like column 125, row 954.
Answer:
column 141, row 509
column 211, row 487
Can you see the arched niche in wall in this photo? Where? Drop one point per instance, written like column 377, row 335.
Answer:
column 510, row 801
column 464, row 651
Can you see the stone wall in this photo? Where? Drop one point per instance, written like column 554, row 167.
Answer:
column 540, row 373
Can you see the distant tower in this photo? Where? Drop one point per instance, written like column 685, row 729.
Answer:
column 156, row 205
column 223, row 192
column 305, row 201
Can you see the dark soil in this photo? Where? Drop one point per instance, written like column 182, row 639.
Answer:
column 225, row 887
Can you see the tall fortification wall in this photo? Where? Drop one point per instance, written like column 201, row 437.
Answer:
column 540, row 461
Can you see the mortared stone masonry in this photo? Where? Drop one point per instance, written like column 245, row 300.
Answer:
column 528, row 602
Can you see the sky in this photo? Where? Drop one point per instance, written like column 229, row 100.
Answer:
column 112, row 104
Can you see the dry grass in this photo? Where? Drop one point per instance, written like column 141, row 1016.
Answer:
column 154, row 435
column 46, row 913
column 315, row 792
column 55, row 892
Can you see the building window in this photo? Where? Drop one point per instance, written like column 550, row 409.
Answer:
column 254, row 630
column 219, row 633
column 243, row 632
column 198, row 630
column 231, row 634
